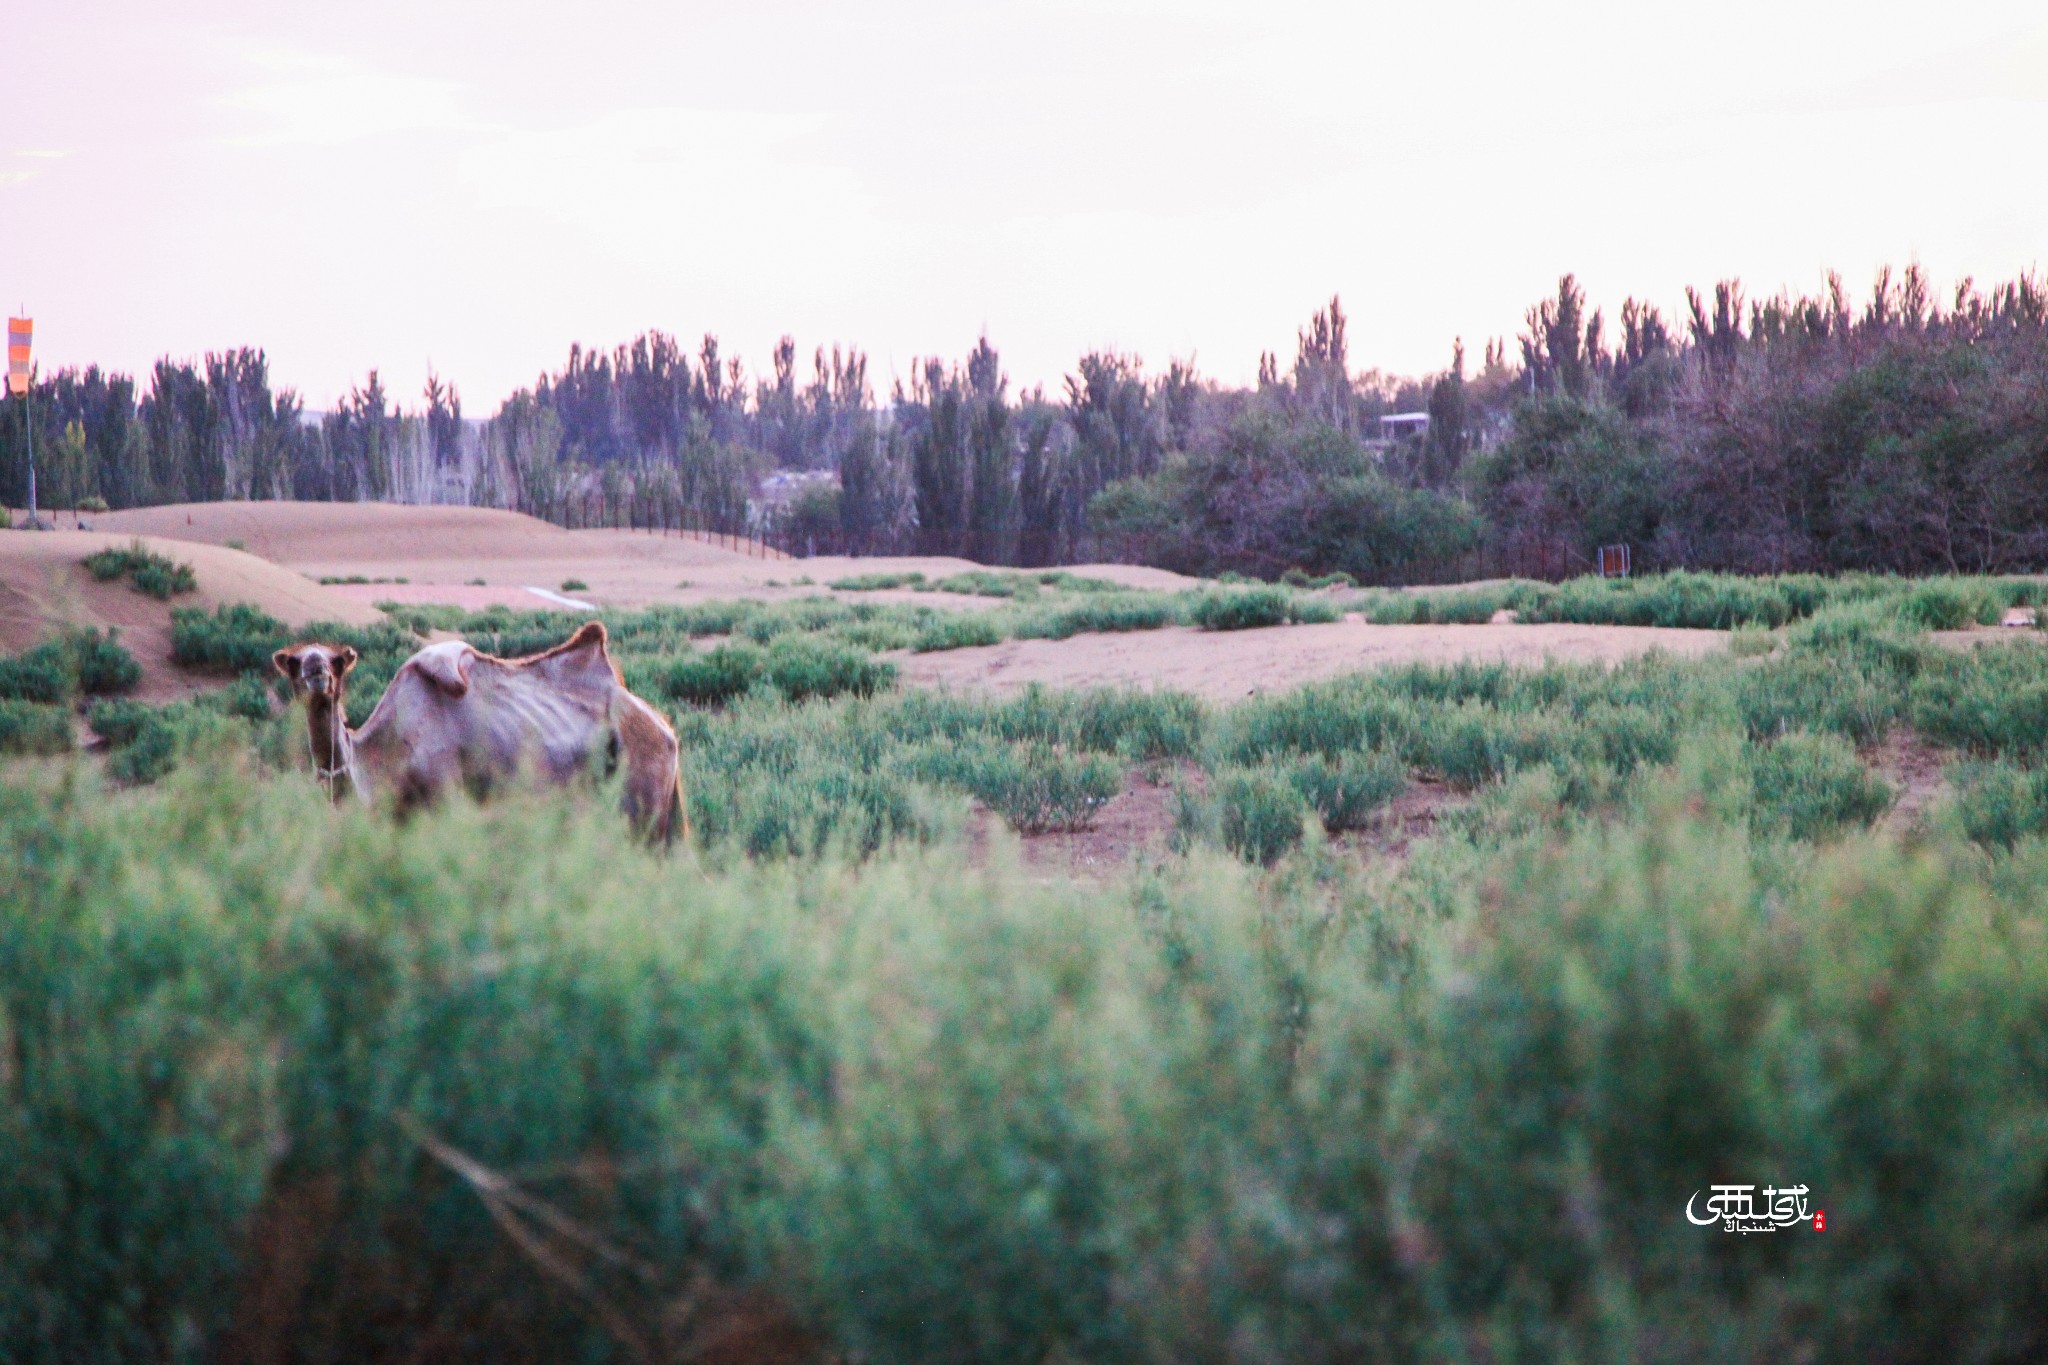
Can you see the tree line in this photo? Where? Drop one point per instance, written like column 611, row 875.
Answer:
column 1897, row 431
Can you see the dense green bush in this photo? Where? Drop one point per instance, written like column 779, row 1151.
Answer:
column 47, row 674
column 1709, row 601
column 1107, row 613
column 104, row 665
column 876, row 582
column 1258, row 815
column 1951, row 604
column 1810, row 786
column 28, row 727
column 713, row 677
column 1322, row 718
column 959, row 630
column 940, row 1113
column 1034, row 786
column 1241, row 609
column 82, row 661
column 150, row 572
column 802, row 667
column 1814, row 691
column 1992, row 701
column 236, row 637
column 1346, row 793
column 1999, row 803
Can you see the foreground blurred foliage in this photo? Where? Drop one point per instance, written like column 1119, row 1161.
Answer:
column 915, row 1112
column 286, row 1082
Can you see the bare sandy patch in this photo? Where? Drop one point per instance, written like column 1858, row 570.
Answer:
column 1231, row 665
column 45, row 589
column 438, row 549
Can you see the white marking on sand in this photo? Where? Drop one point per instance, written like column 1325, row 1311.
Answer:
column 560, row 600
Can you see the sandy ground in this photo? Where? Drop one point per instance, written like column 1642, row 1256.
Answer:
column 1231, row 665
column 443, row 551
column 44, row 588
column 1916, row 771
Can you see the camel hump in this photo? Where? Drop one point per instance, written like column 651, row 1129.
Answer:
column 446, row 665
column 583, row 652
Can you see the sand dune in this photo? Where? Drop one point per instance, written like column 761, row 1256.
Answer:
column 45, row 588
column 439, row 550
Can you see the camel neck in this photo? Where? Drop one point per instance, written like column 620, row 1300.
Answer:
column 327, row 728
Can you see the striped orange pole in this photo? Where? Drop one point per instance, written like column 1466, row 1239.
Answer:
column 20, row 334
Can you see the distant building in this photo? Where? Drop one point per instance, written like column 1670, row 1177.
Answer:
column 1396, row 426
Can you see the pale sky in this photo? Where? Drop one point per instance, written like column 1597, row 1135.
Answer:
column 474, row 186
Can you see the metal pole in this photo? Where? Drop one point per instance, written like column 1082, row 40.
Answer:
column 29, row 423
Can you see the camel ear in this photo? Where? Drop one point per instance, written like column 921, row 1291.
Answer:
column 447, row 665
column 287, row 663
column 344, row 661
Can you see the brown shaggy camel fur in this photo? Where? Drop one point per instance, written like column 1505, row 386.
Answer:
column 453, row 714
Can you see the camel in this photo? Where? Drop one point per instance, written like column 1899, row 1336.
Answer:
column 454, row 714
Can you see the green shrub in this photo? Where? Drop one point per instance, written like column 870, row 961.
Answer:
column 574, row 585
column 958, row 630
column 713, row 678
column 1033, row 786
column 150, row 572
column 104, row 666
column 1991, row 701
column 1323, row 718
column 803, row 667
column 875, row 582
column 1105, row 613
column 118, row 720
column 247, row 698
column 1642, row 1011
column 110, row 563
column 987, row 583
column 2000, row 803
column 148, row 742
column 1470, row 744
column 1259, row 817
column 151, row 754
column 1312, row 611
column 163, row 580
column 1146, row 727
column 1346, row 793
column 54, row 671
column 236, row 637
column 946, row 1113
column 1299, row 578
column 28, row 727
column 1950, row 604
column 1809, row 691
column 1242, row 609
column 1808, row 786
column 805, row 808
column 47, row 674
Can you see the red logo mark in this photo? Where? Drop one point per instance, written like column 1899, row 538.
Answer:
column 1820, row 1221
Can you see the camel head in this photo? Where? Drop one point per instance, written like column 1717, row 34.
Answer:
column 315, row 670
column 319, row 675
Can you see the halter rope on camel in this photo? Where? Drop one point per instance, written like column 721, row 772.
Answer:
column 327, row 775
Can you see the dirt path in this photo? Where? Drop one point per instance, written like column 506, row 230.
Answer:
column 1915, row 770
